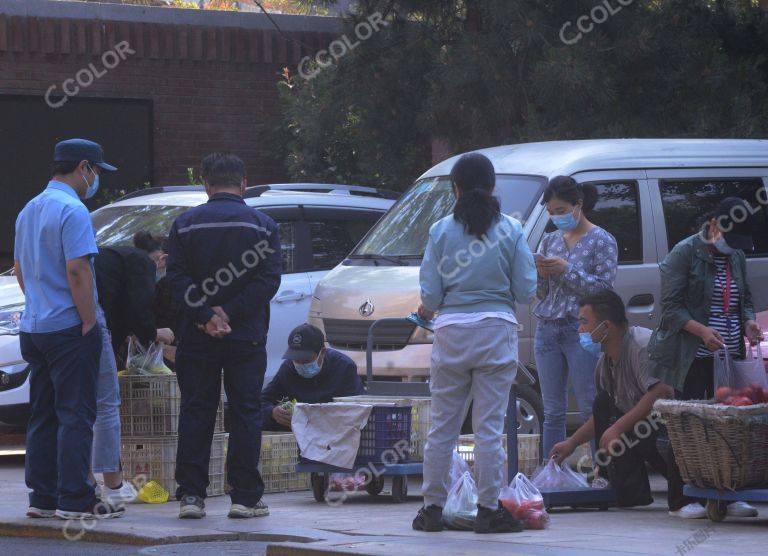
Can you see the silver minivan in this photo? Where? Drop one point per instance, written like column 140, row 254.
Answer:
column 652, row 194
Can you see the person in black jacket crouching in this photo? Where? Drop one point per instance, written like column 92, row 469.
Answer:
column 311, row 373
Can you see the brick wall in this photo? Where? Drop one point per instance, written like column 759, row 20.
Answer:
column 210, row 76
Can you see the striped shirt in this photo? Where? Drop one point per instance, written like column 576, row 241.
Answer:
column 728, row 324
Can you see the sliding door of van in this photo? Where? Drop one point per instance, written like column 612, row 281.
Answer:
column 685, row 196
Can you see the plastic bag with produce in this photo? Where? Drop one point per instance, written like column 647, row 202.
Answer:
column 458, row 467
column 460, row 509
column 524, row 501
column 146, row 361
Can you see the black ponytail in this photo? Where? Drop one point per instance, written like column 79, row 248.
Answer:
column 147, row 242
column 566, row 189
column 476, row 208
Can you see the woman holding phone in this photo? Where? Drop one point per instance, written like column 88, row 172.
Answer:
column 577, row 259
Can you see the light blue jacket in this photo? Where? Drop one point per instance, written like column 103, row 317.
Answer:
column 462, row 274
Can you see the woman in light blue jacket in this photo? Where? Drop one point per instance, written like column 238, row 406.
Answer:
column 476, row 266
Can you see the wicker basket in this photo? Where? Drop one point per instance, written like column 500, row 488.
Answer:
column 718, row 446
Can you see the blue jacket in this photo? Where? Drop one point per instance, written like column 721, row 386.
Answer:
column 338, row 377
column 224, row 253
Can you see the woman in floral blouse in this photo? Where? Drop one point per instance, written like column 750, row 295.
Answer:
column 577, row 259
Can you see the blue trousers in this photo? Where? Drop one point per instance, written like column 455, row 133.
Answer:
column 199, row 363
column 62, row 398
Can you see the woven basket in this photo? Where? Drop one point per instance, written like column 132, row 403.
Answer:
column 718, row 446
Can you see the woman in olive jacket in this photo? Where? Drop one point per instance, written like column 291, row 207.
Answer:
column 706, row 303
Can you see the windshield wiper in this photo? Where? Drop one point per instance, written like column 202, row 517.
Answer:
column 397, row 260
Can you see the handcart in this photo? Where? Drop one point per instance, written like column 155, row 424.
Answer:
column 320, row 472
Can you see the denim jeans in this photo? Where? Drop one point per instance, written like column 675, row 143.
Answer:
column 106, row 431
column 199, row 363
column 559, row 355
column 62, row 398
column 480, row 359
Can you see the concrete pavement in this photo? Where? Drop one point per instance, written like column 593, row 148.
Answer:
column 366, row 525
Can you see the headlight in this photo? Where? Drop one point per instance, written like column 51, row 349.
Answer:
column 10, row 317
column 421, row 336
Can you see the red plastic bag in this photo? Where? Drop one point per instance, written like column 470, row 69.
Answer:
column 524, row 501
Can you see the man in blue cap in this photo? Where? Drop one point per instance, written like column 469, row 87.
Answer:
column 60, row 339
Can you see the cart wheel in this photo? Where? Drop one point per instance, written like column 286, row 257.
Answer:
column 399, row 488
column 716, row 510
column 319, row 483
column 375, row 486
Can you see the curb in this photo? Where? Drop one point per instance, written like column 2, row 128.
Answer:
column 133, row 539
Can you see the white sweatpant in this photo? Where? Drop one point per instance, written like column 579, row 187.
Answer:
column 478, row 358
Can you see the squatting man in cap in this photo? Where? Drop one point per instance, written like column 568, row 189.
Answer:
column 311, row 373
column 622, row 420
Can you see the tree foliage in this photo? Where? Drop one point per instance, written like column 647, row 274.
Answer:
column 486, row 72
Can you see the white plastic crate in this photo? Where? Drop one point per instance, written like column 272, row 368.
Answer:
column 149, row 406
column 277, row 464
column 527, row 450
column 154, row 459
column 421, row 417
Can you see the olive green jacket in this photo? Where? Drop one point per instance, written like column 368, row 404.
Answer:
column 687, row 281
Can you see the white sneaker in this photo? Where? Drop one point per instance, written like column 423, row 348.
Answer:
column 238, row 511
column 741, row 509
column 126, row 494
column 691, row 511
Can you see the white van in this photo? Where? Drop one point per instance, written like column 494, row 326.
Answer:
column 652, row 194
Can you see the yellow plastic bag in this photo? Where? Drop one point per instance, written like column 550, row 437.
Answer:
column 153, row 493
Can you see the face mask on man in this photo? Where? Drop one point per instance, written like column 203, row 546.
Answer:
column 586, row 341
column 566, row 222
column 308, row 370
column 94, row 187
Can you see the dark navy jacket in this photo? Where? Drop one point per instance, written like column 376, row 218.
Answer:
column 337, row 378
column 224, row 253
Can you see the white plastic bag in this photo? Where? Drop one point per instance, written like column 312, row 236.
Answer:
column 460, row 509
column 145, row 361
column 558, row 477
column 524, row 501
column 739, row 373
column 458, row 467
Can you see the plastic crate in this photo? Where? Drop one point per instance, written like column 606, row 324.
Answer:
column 277, row 464
column 386, row 437
column 421, row 417
column 527, row 450
column 154, row 459
column 149, row 406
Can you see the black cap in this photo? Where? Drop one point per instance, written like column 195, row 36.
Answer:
column 75, row 150
column 304, row 342
column 734, row 218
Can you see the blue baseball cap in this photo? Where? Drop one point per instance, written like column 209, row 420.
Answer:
column 75, row 150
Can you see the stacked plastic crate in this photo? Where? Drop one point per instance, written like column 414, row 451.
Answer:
column 149, row 425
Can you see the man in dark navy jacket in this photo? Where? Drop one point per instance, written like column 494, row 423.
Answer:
column 223, row 268
column 311, row 373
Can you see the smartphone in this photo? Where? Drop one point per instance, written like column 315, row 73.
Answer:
column 538, row 257
column 418, row 321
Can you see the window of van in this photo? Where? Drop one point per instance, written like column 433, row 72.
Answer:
column 404, row 230
column 685, row 203
column 618, row 211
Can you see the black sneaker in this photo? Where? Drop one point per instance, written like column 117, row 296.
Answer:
column 429, row 519
column 100, row 509
column 496, row 521
column 191, row 507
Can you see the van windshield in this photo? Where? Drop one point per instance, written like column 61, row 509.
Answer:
column 117, row 225
column 403, row 231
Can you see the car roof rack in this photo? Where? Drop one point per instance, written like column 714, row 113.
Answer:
column 161, row 189
column 258, row 190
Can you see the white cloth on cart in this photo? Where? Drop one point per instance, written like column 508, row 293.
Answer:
column 330, row 432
